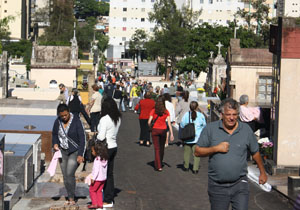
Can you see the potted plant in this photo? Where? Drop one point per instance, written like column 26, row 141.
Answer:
column 201, row 91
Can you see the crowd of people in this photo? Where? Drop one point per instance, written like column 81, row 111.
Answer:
column 160, row 110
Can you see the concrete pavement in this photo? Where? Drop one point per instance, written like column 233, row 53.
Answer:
column 139, row 187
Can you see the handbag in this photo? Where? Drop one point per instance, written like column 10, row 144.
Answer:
column 188, row 131
column 152, row 124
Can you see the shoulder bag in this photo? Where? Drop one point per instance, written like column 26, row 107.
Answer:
column 152, row 124
column 188, row 131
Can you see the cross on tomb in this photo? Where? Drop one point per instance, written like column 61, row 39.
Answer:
column 219, row 45
column 211, row 54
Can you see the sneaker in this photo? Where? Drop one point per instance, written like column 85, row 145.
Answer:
column 108, row 205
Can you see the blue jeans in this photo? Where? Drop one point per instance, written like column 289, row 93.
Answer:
column 123, row 105
column 69, row 165
column 221, row 195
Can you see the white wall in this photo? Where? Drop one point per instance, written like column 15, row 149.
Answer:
column 36, row 93
column 12, row 8
column 289, row 112
column 246, row 78
column 43, row 77
column 292, row 8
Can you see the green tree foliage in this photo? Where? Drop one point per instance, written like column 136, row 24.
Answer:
column 90, row 8
column 19, row 49
column 204, row 38
column 4, row 27
column 170, row 33
column 61, row 26
column 137, row 42
column 102, row 44
column 85, row 34
column 260, row 17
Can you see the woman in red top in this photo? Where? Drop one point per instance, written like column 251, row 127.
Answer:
column 145, row 106
column 159, row 114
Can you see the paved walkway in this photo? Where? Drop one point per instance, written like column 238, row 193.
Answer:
column 139, row 187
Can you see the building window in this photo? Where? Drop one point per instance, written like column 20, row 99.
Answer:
column 152, row 1
column 143, row 9
column 210, row 1
column 5, row 11
column 124, row 28
column 124, row 39
column 143, row 0
column 264, row 88
column 142, row 19
column 201, row 1
column 124, row 9
column 151, row 29
column 85, row 78
column 124, row 19
column 201, row 21
column 5, row 2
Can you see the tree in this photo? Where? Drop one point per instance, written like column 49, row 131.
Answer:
column 90, row 8
column 19, row 49
column 260, row 14
column 4, row 27
column 85, row 34
column 137, row 42
column 170, row 33
column 102, row 44
column 203, row 39
column 61, row 26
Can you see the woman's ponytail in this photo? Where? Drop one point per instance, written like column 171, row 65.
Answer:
column 193, row 107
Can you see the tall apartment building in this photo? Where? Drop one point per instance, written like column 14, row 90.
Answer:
column 288, row 8
column 125, row 17
column 217, row 11
column 21, row 10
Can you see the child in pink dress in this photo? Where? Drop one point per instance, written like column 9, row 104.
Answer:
column 98, row 175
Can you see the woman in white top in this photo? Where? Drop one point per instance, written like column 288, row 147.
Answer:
column 171, row 109
column 107, row 130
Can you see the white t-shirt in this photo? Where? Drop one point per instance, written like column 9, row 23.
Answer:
column 170, row 108
column 97, row 102
column 107, row 129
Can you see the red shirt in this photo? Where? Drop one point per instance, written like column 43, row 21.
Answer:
column 160, row 123
column 146, row 106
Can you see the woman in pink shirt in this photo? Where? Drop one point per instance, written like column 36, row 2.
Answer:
column 98, row 175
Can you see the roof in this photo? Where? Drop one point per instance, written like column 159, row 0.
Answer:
column 18, row 122
column 252, row 57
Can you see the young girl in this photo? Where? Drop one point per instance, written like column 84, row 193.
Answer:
column 98, row 175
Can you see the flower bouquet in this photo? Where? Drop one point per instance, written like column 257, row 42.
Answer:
column 200, row 90
column 266, row 147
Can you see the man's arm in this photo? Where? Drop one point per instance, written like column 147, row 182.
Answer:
column 223, row 147
column 263, row 176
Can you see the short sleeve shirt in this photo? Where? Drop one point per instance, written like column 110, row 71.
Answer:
column 228, row 167
column 97, row 104
column 160, row 123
